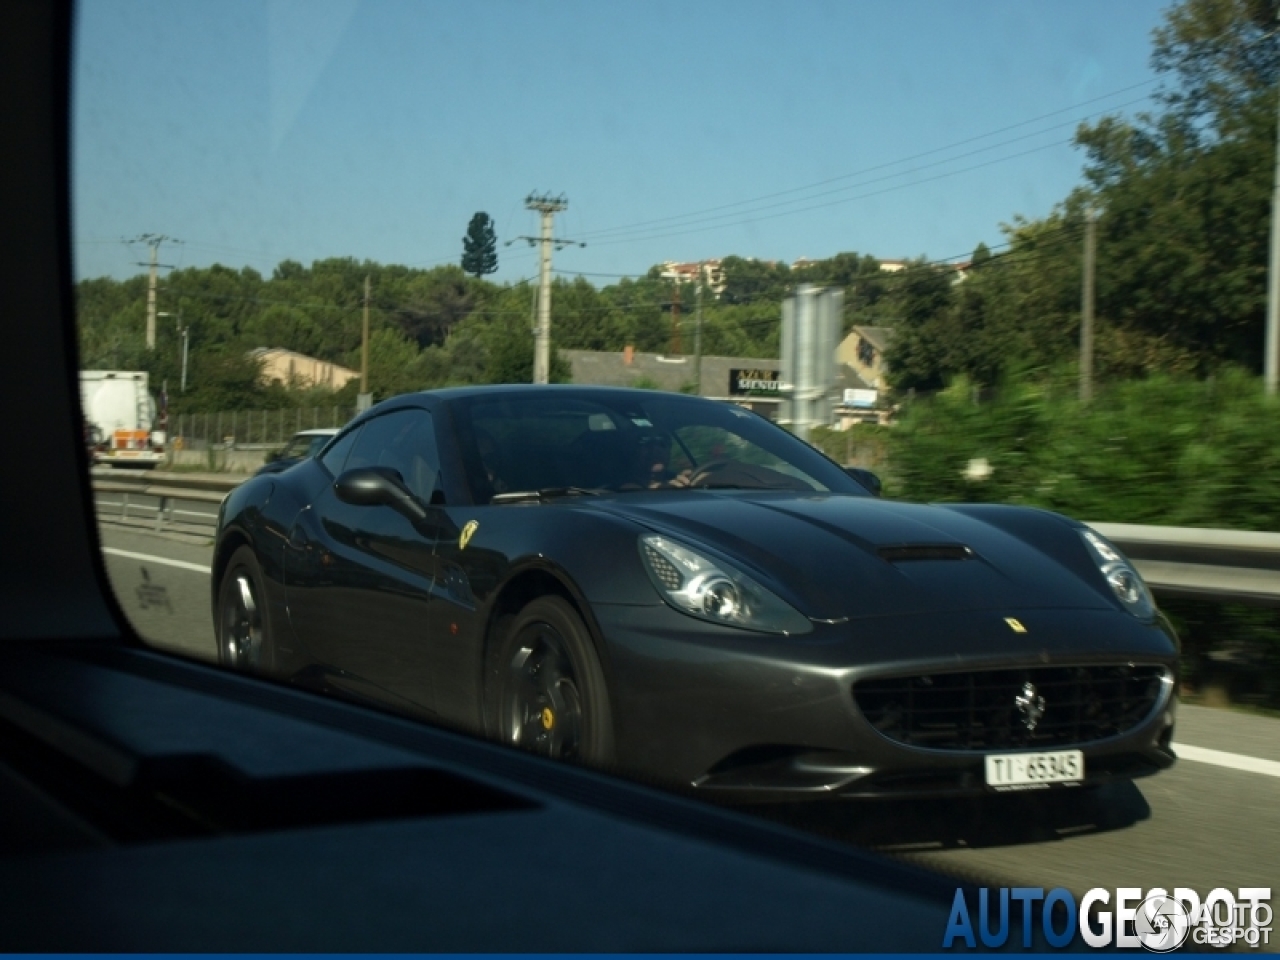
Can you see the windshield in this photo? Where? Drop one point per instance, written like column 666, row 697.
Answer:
column 628, row 442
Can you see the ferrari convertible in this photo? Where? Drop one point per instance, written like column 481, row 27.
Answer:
column 677, row 589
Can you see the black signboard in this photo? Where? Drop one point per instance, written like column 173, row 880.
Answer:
column 742, row 382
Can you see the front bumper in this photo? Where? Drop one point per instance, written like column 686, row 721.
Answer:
column 766, row 718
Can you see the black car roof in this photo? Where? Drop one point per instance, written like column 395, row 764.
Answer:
column 496, row 389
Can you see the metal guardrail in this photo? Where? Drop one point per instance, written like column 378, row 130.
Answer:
column 1237, row 565
column 168, row 489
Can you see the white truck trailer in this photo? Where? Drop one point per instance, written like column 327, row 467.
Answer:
column 121, row 415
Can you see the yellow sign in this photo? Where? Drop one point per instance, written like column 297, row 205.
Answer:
column 465, row 537
column 1015, row 625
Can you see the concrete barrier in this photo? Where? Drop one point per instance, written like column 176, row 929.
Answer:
column 220, row 460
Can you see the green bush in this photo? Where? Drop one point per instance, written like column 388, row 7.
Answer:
column 861, row 445
column 1166, row 450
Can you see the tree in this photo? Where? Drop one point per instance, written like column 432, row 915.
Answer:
column 1225, row 55
column 394, row 366
column 480, row 246
column 747, row 281
column 428, row 306
column 1184, row 194
column 509, row 353
column 923, row 301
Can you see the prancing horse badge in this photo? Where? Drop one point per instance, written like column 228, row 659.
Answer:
column 465, row 536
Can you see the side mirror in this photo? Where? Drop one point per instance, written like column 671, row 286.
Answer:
column 378, row 487
column 866, row 478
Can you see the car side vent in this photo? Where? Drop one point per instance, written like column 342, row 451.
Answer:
column 901, row 553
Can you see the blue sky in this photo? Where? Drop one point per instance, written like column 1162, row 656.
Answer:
column 259, row 130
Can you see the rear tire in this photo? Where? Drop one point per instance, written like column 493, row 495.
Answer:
column 245, row 639
column 549, row 689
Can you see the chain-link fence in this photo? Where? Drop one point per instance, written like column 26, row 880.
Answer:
column 249, row 429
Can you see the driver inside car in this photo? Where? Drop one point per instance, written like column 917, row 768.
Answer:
column 653, row 463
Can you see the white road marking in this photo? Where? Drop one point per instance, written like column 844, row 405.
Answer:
column 181, row 564
column 1220, row 758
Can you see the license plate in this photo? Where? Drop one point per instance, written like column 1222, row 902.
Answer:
column 1031, row 770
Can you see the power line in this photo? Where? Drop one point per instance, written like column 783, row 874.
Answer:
column 1046, row 246
column 887, row 275
column 833, row 203
column 858, row 173
column 588, row 273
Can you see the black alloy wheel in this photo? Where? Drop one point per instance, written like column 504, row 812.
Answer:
column 551, row 692
column 244, row 634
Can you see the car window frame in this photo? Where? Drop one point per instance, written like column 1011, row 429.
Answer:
column 350, row 434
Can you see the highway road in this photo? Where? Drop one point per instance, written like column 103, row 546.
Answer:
column 162, row 582
column 1211, row 821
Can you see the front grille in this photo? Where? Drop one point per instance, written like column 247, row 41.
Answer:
column 992, row 709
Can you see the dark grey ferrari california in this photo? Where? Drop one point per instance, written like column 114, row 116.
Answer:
column 676, row 588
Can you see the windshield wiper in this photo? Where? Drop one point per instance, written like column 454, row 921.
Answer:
column 541, row 496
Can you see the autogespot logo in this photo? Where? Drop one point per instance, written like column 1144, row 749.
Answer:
column 1156, row 920
column 1162, row 923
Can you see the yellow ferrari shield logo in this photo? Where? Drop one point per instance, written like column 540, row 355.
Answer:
column 465, row 537
column 1015, row 624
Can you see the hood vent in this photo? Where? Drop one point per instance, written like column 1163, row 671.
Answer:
column 904, row 552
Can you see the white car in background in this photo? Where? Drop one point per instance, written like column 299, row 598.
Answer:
column 305, row 444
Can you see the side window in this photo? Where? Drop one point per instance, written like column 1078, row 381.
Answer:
column 335, row 458
column 404, row 440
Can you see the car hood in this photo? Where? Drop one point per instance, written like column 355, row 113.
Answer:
column 838, row 557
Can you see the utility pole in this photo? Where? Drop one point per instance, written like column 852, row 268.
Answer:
column 153, row 240
column 1086, row 306
column 676, row 348
column 1271, row 360
column 151, row 297
column 184, row 331
column 365, row 400
column 548, row 206
column 697, row 338
column 542, row 339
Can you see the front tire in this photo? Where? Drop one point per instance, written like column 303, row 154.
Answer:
column 551, row 696
column 245, row 642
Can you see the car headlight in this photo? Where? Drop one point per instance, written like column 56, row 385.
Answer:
column 715, row 591
column 1120, row 576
